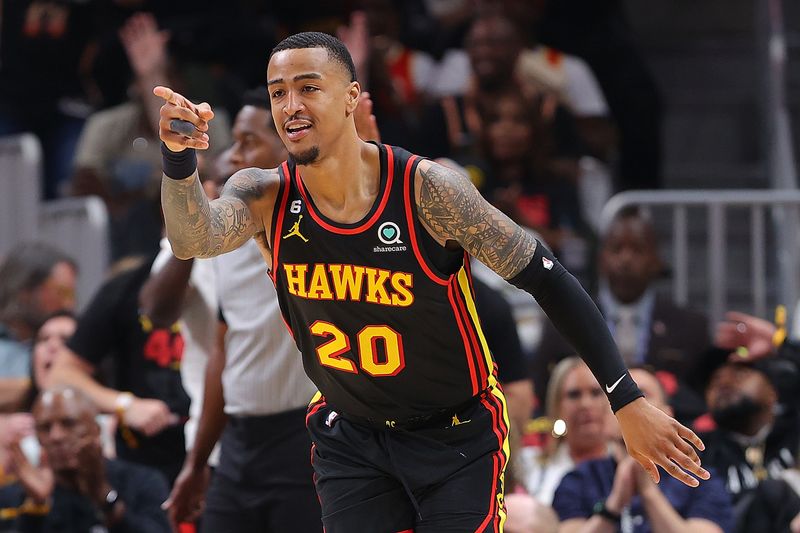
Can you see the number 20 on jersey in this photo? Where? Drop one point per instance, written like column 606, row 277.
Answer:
column 379, row 349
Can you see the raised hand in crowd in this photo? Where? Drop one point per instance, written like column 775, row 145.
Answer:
column 13, row 428
column 146, row 48
column 356, row 37
column 626, row 484
column 38, row 481
column 366, row 123
column 92, row 481
column 749, row 338
column 145, row 45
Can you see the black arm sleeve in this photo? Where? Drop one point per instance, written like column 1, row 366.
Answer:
column 577, row 318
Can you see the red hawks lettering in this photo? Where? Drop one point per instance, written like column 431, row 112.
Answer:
column 350, row 282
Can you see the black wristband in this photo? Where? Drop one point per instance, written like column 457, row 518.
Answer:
column 178, row 165
column 577, row 318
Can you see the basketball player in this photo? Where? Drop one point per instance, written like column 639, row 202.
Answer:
column 409, row 428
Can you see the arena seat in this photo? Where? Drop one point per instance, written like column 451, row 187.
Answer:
column 20, row 189
column 79, row 227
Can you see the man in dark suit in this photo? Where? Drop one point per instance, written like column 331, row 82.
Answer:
column 649, row 328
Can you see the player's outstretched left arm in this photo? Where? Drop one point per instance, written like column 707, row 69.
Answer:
column 453, row 210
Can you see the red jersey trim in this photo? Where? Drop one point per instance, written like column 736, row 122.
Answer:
column 480, row 357
column 375, row 216
column 465, row 338
column 277, row 228
column 496, row 407
column 412, row 228
column 314, row 408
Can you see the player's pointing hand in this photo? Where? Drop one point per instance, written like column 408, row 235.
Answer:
column 182, row 124
column 654, row 438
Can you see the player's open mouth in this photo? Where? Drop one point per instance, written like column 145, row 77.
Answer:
column 297, row 129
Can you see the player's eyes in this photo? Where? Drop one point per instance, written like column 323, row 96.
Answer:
column 277, row 93
column 310, row 88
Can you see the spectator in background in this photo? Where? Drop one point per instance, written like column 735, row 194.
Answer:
column 523, row 177
column 35, row 280
column 576, row 413
column 48, row 341
column 145, row 359
column 43, row 54
column 118, row 154
column 18, row 426
column 752, row 442
column 496, row 44
column 616, row 494
column 577, row 409
column 52, row 336
column 749, row 339
column 452, row 126
column 648, row 328
column 76, row 489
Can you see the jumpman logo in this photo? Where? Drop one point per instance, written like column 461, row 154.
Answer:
column 294, row 231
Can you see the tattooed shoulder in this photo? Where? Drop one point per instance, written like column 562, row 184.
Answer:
column 250, row 184
column 450, row 206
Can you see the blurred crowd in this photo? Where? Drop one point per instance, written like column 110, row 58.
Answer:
column 109, row 416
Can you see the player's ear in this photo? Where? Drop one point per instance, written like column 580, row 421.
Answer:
column 353, row 94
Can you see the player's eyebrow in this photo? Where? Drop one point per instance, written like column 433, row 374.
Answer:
column 308, row 76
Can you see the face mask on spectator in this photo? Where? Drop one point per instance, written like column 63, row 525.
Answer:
column 738, row 415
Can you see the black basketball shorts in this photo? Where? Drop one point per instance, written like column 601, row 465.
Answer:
column 442, row 475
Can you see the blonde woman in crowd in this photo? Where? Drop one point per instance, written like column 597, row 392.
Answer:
column 576, row 404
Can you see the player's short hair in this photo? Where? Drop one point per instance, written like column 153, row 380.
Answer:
column 337, row 51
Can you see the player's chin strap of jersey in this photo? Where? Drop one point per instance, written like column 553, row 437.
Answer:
column 576, row 316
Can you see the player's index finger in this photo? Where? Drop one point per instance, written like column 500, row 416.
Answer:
column 167, row 94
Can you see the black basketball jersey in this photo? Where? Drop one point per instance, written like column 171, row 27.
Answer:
column 384, row 334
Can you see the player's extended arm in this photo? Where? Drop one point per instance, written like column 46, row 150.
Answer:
column 452, row 209
column 195, row 226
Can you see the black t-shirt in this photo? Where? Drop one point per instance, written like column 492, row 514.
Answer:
column 146, row 362
column 739, row 465
column 141, row 489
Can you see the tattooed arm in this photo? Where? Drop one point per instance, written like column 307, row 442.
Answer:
column 452, row 209
column 199, row 228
